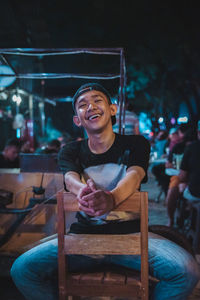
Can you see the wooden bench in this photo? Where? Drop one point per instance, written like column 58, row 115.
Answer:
column 39, row 223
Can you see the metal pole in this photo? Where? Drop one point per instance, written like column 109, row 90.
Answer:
column 124, row 95
column 42, row 117
column 30, row 101
column 120, row 91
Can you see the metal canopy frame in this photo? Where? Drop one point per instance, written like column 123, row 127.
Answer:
column 71, row 51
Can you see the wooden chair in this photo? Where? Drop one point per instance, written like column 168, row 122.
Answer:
column 121, row 283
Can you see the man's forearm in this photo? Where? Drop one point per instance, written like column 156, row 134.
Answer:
column 128, row 185
column 183, row 176
column 73, row 182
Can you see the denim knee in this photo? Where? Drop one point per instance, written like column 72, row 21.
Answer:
column 192, row 276
column 18, row 270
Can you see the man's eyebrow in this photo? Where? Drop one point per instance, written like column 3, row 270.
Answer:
column 97, row 95
column 81, row 100
column 93, row 96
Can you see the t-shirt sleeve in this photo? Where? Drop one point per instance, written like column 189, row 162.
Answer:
column 140, row 155
column 185, row 160
column 68, row 158
column 170, row 156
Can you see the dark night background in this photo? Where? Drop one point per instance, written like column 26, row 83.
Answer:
column 160, row 38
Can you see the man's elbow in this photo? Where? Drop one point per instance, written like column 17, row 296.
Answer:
column 69, row 176
column 138, row 174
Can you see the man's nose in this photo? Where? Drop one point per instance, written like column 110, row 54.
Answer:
column 91, row 106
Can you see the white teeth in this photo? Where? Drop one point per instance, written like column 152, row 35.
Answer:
column 94, row 116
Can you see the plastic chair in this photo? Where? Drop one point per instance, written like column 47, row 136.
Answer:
column 122, row 282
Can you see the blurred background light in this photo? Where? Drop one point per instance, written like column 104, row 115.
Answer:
column 18, row 133
column 173, row 121
column 182, row 120
column 17, row 99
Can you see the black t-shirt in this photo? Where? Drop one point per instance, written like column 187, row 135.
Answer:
column 191, row 164
column 108, row 168
column 7, row 164
column 132, row 150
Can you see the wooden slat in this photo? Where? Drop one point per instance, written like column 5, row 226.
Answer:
column 144, row 245
column 107, row 277
column 75, row 278
column 70, row 202
column 103, row 290
column 130, row 204
column 114, row 278
column 133, row 280
column 90, row 244
column 91, row 278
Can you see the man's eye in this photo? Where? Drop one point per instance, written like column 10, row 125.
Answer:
column 98, row 100
column 82, row 105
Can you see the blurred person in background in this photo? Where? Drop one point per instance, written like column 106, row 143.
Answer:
column 9, row 158
column 185, row 134
column 160, row 143
column 65, row 138
column 26, row 147
column 131, row 121
column 188, row 180
column 52, row 146
column 173, row 137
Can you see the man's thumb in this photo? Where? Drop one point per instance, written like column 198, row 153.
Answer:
column 91, row 185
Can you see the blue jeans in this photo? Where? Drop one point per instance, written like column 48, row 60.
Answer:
column 176, row 269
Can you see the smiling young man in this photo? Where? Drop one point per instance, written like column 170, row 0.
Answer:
column 114, row 164
column 102, row 171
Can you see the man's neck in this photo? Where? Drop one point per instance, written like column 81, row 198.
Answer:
column 101, row 142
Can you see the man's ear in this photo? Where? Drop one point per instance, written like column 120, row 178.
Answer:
column 113, row 109
column 76, row 121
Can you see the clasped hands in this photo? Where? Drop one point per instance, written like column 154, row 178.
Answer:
column 93, row 201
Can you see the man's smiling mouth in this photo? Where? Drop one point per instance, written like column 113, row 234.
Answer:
column 94, row 116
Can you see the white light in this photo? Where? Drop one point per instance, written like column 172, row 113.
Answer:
column 160, row 120
column 182, row 120
column 147, row 131
column 17, row 99
column 14, row 98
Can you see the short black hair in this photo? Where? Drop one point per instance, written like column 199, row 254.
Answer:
column 13, row 143
column 184, row 127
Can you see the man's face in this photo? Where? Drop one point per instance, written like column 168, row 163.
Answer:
column 181, row 134
column 93, row 111
column 174, row 136
column 11, row 153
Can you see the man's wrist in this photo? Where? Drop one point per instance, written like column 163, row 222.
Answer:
column 112, row 196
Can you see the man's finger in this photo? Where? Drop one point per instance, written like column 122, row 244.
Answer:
column 83, row 202
column 99, row 213
column 86, row 190
column 88, row 211
column 91, row 185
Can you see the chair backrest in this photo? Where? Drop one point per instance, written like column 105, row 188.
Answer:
column 136, row 244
